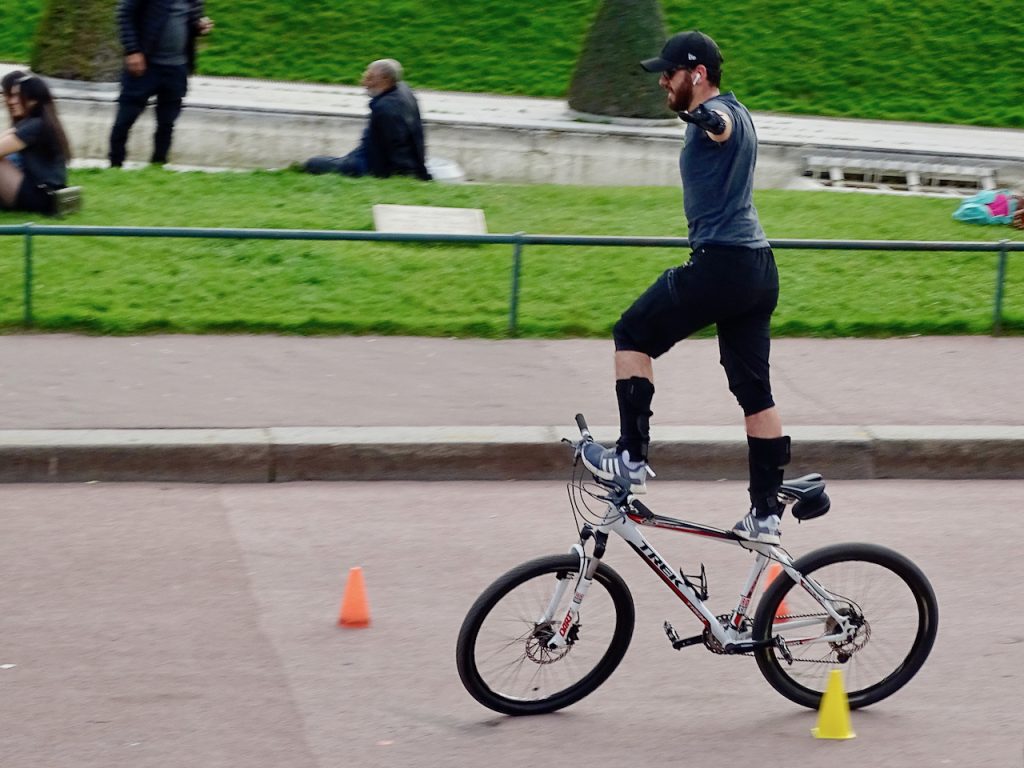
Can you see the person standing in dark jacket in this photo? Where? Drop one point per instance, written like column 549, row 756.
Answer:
column 159, row 40
column 392, row 142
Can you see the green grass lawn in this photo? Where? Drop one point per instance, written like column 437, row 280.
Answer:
column 943, row 61
column 126, row 286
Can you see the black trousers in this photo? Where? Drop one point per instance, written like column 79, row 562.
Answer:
column 35, row 198
column 169, row 84
column 735, row 289
column 352, row 164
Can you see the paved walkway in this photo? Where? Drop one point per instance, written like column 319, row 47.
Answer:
column 62, row 381
column 258, row 408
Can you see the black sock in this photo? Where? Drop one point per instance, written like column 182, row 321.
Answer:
column 766, row 458
column 634, row 396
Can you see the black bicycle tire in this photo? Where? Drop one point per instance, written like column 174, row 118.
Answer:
column 625, row 615
column 928, row 615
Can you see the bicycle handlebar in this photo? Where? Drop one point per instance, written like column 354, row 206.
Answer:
column 584, row 429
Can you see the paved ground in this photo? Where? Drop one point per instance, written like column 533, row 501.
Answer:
column 171, row 625
column 75, row 382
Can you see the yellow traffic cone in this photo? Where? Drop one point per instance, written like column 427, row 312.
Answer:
column 834, row 712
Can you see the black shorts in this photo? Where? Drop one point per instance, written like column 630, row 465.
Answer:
column 35, row 198
column 733, row 288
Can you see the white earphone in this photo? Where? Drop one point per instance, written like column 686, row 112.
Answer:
column 696, row 78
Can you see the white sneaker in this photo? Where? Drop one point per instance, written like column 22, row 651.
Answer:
column 608, row 464
column 763, row 530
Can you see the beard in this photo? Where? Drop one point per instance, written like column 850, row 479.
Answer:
column 679, row 98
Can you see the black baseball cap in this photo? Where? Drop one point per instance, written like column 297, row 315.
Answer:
column 687, row 50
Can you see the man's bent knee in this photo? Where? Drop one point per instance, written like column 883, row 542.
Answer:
column 626, row 339
column 753, row 396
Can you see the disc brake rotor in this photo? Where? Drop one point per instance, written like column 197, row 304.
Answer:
column 537, row 649
column 861, row 635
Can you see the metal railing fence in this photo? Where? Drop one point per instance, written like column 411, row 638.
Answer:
column 518, row 241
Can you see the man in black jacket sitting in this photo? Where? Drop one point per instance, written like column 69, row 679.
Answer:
column 392, row 143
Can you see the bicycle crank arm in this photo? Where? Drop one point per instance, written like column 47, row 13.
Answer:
column 754, row 645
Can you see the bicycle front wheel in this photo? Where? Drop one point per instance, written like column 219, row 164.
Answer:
column 502, row 652
column 889, row 601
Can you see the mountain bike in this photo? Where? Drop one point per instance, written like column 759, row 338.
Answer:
column 550, row 631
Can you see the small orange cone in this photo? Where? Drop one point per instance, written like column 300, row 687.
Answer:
column 773, row 571
column 355, row 611
column 834, row 711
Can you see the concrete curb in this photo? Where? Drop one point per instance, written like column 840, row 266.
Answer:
column 262, row 455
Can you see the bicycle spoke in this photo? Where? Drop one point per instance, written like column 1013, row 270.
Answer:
column 883, row 606
column 510, row 649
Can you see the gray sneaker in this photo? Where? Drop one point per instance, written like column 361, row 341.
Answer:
column 763, row 530
column 67, row 200
column 608, row 464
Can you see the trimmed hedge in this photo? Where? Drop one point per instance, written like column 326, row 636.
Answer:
column 608, row 79
column 77, row 40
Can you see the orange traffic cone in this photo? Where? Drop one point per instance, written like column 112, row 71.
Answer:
column 355, row 610
column 774, row 570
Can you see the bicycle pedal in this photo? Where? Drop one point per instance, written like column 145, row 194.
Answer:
column 678, row 643
column 780, row 643
column 671, row 632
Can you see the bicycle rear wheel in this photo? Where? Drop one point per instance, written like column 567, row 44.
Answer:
column 888, row 596
column 502, row 656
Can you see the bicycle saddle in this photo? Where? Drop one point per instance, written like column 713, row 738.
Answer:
column 809, row 494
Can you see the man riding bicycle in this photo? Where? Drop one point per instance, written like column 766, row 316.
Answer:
column 730, row 280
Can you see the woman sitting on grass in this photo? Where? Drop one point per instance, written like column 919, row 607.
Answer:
column 39, row 139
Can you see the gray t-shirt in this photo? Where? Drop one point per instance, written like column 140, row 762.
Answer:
column 174, row 38
column 42, row 159
column 718, row 181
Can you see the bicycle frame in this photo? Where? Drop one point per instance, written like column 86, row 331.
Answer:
column 625, row 521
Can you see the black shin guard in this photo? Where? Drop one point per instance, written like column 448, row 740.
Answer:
column 767, row 456
column 634, row 395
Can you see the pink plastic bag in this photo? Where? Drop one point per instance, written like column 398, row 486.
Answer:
column 1000, row 206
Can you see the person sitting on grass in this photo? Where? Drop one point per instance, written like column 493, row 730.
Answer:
column 392, row 143
column 39, row 185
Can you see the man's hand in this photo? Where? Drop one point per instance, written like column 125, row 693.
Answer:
column 205, row 25
column 704, row 118
column 135, row 63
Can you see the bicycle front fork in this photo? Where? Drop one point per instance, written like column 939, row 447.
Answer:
column 588, row 567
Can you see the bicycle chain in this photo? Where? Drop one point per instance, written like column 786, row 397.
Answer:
column 725, row 617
